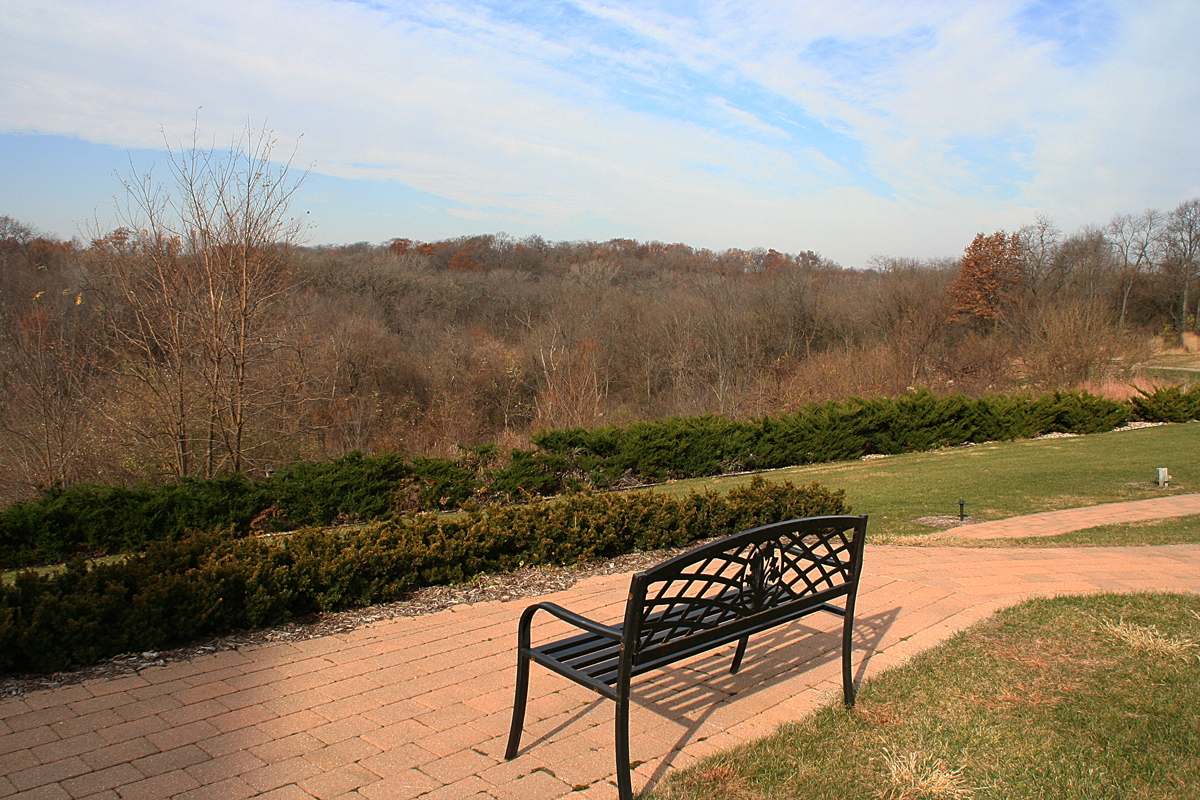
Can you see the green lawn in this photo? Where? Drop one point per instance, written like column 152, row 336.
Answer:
column 1184, row 375
column 51, row 569
column 1173, row 366
column 1079, row 698
column 1001, row 479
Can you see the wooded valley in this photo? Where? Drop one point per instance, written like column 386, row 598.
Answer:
column 203, row 337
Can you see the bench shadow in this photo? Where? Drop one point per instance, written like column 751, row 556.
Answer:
column 529, row 742
column 690, row 692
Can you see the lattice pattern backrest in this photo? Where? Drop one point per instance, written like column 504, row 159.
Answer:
column 742, row 575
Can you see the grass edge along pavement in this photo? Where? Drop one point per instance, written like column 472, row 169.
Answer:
column 1164, row 527
column 1093, row 695
column 1149, row 532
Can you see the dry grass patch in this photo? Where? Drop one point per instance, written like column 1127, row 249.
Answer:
column 1150, row 639
column 715, row 779
column 915, row 775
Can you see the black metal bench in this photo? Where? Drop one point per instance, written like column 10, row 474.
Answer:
column 715, row 594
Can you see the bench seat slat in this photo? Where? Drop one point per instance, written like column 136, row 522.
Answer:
column 597, row 657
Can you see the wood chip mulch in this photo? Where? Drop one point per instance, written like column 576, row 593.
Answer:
column 947, row 521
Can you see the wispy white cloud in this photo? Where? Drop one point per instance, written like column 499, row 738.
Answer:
column 1080, row 30
column 848, row 127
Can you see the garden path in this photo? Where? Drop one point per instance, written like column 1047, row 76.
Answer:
column 1051, row 523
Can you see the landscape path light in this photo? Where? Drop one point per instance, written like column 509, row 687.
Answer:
column 961, row 513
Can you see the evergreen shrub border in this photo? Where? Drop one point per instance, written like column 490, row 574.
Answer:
column 96, row 520
column 216, row 582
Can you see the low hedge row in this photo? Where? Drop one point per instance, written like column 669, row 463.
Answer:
column 834, row 431
column 216, row 582
column 95, row 520
column 1167, row 404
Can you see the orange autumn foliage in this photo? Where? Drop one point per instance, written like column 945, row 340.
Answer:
column 992, row 268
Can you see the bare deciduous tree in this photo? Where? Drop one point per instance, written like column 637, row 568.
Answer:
column 1138, row 243
column 1182, row 246
column 1040, row 243
column 48, row 382
column 194, row 285
column 911, row 315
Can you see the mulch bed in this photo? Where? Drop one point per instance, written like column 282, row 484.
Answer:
column 947, row 521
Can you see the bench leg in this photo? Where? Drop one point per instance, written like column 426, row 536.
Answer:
column 518, row 717
column 847, row 651
column 737, row 656
column 624, row 782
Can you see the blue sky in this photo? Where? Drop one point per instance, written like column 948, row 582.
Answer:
column 850, row 128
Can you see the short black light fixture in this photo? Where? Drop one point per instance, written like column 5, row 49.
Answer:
column 961, row 513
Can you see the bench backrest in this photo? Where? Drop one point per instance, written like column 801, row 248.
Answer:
column 741, row 584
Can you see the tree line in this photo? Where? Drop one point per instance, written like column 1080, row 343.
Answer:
column 200, row 337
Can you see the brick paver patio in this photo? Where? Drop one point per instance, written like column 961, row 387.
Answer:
column 419, row 706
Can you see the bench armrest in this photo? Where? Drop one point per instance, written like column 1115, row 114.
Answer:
column 607, row 631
